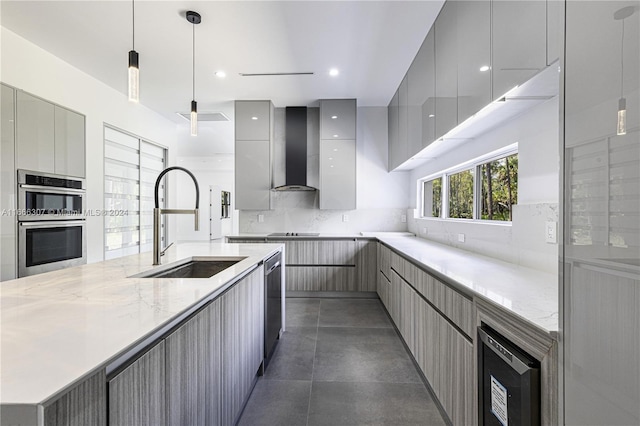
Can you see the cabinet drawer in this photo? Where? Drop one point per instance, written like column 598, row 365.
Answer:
column 321, row 278
column 458, row 308
column 314, row 252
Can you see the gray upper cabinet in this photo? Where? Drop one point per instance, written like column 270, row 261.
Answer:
column 49, row 138
column 69, row 144
column 338, row 156
column 253, row 120
column 403, row 120
column 474, row 57
column 519, row 37
column 446, row 57
column 253, row 153
column 7, row 184
column 421, row 98
column 394, row 154
column 337, row 174
column 337, row 119
column 555, row 29
column 35, row 133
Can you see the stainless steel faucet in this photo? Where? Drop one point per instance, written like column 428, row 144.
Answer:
column 158, row 212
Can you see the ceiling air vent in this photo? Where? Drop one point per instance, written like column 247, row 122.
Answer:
column 271, row 74
column 205, row 116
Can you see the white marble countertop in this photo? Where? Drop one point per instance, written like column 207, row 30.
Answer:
column 525, row 292
column 59, row 327
column 320, row 236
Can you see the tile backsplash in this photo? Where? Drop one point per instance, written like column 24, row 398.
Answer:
column 294, row 211
column 523, row 242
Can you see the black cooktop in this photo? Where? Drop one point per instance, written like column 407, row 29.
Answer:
column 294, row 234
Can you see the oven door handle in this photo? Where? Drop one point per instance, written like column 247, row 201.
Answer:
column 53, row 223
column 53, row 189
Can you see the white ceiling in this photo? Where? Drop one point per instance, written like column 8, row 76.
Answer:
column 372, row 43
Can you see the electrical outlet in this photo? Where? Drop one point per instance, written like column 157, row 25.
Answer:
column 345, row 218
column 260, row 218
column 461, row 238
column 403, row 218
column 424, row 231
column 551, row 232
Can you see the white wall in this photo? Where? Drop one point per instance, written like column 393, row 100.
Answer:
column 34, row 70
column 382, row 197
column 523, row 242
column 215, row 170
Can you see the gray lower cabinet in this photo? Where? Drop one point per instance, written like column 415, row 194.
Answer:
column 438, row 330
column 242, row 310
column 85, row 404
column 327, row 265
column 203, row 372
column 194, row 379
column 137, row 394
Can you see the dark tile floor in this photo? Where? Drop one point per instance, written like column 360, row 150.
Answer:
column 340, row 362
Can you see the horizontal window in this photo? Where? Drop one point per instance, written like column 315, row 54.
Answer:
column 482, row 189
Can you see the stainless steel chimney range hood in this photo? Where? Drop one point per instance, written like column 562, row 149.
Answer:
column 295, row 151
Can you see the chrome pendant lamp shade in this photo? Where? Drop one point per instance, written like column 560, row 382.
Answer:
column 194, row 18
column 134, row 70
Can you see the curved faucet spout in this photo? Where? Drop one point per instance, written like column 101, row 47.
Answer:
column 167, row 170
column 158, row 212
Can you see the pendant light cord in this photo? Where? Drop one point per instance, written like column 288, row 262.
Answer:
column 133, row 19
column 193, row 65
column 622, row 63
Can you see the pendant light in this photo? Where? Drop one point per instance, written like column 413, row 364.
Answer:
column 134, row 71
column 621, row 122
column 195, row 19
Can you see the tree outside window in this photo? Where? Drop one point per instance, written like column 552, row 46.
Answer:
column 499, row 188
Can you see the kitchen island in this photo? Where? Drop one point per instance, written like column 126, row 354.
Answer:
column 71, row 338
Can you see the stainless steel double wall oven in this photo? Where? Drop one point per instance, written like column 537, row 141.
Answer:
column 51, row 222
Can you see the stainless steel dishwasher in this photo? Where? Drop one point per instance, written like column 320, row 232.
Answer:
column 273, row 304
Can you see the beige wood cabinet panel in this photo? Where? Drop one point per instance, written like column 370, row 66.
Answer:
column 384, row 259
column 320, row 252
column 242, row 312
column 193, row 354
column 85, row 404
column 321, row 278
column 366, row 265
column 137, row 394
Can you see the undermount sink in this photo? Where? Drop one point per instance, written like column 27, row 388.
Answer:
column 191, row 269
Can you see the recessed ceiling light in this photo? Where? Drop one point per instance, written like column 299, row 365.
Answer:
column 431, row 115
column 335, row 149
column 333, row 117
column 330, row 158
column 220, row 74
column 333, row 72
column 335, row 136
column 254, row 118
column 484, row 68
